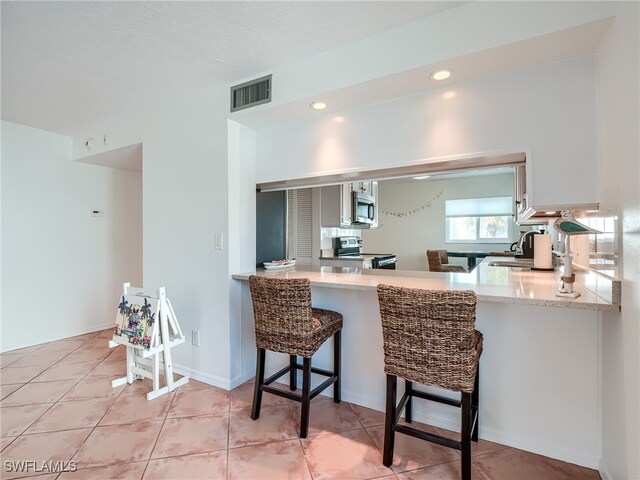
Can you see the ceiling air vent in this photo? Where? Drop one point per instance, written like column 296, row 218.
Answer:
column 250, row 94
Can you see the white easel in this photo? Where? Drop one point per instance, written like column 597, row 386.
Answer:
column 156, row 360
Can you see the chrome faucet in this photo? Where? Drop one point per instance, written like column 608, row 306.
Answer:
column 526, row 244
column 524, row 236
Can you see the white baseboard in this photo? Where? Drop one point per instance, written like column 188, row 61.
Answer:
column 504, row 438
column 585, row 459
column 604, row 471
column 448, row 422
column 61, row 335
column 203, row 377
column 353, row 397
column 240, row 379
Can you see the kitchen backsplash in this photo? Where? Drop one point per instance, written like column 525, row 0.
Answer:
column 604, row 249
column 600, row 252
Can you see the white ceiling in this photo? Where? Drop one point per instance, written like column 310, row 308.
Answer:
column 65, row 64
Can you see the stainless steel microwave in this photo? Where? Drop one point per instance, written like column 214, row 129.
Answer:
column 364, row 208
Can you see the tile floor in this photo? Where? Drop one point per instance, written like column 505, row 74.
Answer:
column 57, row 404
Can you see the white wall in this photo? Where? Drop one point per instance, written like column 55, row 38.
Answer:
column 242, row 248
column 547, row 111
column 186, row 202
column 619, row 77
column 409, row 237
column 62, row 270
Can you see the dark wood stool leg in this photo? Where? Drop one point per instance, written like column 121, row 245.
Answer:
column 336, row 366
column 257, row 392
column 408, row 411
column 306, row 397
column 390, row 418
column 293, row 374
column 475, row 404
column 466, row 436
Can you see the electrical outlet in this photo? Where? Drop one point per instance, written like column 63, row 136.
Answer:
column 219, row 241
column 195, row 337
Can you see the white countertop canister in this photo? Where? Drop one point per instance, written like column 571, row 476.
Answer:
column 542, row 251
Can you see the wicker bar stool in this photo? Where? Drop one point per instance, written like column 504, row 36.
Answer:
column 285, row 322
column 430, row 338
column 439, row 262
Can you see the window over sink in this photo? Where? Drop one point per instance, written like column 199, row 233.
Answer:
column 479, row 220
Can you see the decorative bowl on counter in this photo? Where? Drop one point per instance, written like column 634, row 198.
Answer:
column 279, row 264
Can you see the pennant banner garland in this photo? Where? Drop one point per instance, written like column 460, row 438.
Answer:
column 417, row 210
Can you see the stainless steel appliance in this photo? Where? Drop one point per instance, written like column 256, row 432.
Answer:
column 351, row 247
column 387, row 262
column 364, row 208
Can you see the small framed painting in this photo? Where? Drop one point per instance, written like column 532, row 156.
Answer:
column 136, row 321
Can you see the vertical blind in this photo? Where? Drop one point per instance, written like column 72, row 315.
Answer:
column 299, row 225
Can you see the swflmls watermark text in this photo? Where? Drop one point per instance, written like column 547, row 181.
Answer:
column 43, row 466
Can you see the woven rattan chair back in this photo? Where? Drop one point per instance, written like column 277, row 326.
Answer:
column 436, row 259
column 286, row 322
column 429, row 336
column 282, row 313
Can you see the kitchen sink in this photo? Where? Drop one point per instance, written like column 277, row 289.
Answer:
column 511, row 263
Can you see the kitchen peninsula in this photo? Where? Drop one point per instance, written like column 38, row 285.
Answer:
column 491, row 283
column 541, row 352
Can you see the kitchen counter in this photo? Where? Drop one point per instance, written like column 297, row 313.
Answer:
column 491, row 284
column 354, row 258
column 361, row 256
column 362, row 262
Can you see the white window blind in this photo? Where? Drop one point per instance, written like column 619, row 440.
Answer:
column 478, row 207
column 299, row 225
column 479, row 220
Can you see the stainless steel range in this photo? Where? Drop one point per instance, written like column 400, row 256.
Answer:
column 351, row 248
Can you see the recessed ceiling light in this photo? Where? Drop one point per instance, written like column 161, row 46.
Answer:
column 422, row 177
column 441, row 74
column 318, row 105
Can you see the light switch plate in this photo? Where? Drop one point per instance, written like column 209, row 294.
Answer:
column 219, row 241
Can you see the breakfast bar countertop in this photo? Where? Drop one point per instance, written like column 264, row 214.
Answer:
column 491, row 283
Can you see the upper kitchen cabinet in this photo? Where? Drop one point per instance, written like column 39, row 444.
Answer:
column 367, row 187
column 350, row 205
column 335, row 206
column 539, row 195
column 520, row 192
